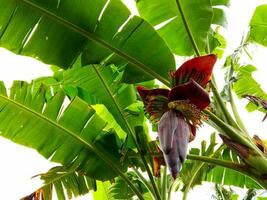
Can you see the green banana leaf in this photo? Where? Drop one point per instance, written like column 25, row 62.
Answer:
column 60, row 131
column 98, row 84
column 119, row 190
column 247, row 85
column 58, row 32
column 258, row 26
column 199, row 15
column 66, row 182
column 102, row 191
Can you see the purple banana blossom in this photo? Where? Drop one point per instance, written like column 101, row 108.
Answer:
column 178, row 112
column 174, row 133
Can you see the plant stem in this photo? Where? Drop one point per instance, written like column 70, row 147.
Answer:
column 229, row 130
column 220, row 162
column 164, row 184
column 246, row 51
column 170, row 191
column 214, row 161
column 192, row 178
column 223, row 108
column 131, row 132
column 243, row 139
column 141, row 66
column 209, row 159
column 235, row 112
column 145, row 182
column 195, row 172
column 158, row 181
column 186, row 25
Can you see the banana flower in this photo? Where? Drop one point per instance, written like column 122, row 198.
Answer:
column 178, row 111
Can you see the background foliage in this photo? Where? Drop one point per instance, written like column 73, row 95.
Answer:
column 88, row 112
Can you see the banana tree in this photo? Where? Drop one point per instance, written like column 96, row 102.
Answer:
column 91, row 115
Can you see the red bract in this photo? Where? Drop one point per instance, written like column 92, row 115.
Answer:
column 191, row 91
column 198, row 69
column 155, row 101
column 178, row 111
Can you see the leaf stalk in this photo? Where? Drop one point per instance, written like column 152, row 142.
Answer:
column 131, row 132
column 186, row 25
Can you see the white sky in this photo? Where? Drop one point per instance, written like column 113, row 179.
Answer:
column 19, row 164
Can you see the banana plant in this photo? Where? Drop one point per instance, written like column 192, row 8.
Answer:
column 90, row 116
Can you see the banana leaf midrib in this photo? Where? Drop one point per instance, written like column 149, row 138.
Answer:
column 113, row 99
column 101, row 155
column 132, row 134
column 58, row 178
column 25, row 108
column 70, row 133
column 141, row 66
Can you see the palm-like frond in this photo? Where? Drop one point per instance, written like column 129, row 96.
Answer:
column 97, row 84
column 75, row 133
column 173, row 23
column 118, row 190
column 57, row 32
column 65, row 181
